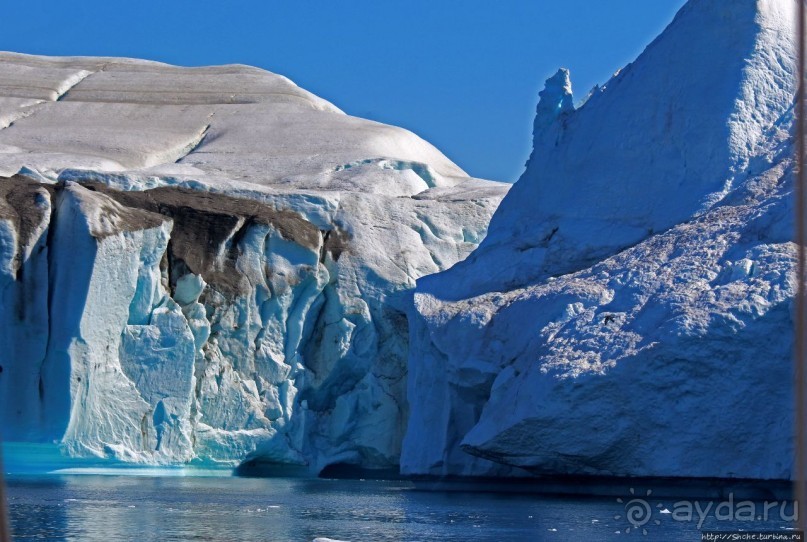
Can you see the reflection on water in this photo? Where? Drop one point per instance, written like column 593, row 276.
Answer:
column 110, row 508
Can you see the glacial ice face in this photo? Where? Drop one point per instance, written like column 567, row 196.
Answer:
column 212, row 264
column 642, row 324
column 113, row 403
column 25, row 211
column 179, row 327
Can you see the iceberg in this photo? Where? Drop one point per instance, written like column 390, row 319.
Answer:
column 642, row 324
column 212, row 265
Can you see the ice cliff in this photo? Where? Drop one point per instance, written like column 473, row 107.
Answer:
column 629, row 312
column 212, row 264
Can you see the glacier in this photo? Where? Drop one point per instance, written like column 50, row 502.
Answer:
column 212, row 265
column 642, row 326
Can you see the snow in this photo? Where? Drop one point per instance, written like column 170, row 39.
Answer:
column 227, row 122
column 640, row 326
column 218, row 265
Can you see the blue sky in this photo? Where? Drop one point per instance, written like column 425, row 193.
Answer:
column 464, row 74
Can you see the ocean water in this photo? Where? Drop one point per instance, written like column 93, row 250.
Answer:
column 150, row 507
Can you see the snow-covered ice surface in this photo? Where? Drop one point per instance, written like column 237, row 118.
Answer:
column 629, row 312
column 212, row 264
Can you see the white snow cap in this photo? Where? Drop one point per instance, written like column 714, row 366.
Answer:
column 218, row 122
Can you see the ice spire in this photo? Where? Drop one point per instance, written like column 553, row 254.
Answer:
column 555, row 99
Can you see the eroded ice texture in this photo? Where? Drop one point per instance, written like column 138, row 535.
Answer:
column 642, row 323
column 212, row 263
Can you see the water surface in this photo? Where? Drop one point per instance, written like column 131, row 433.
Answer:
column 96, row 507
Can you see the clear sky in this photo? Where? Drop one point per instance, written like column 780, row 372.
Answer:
column 464, row 74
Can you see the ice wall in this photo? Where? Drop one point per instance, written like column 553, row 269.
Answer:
column 642, row 323
column 172, row 325
column 212, row 264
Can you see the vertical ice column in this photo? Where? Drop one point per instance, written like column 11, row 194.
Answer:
column 99, row 251
column 25, row 214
